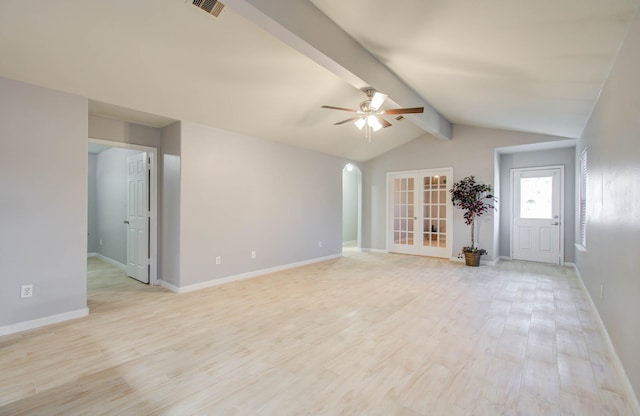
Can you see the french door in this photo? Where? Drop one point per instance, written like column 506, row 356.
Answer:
column 537, row 206
column 420, row 211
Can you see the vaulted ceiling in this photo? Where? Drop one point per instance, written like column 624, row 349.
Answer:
column 265, row 67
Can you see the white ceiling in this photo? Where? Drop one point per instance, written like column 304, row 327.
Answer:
column 529, row 66
column 534, row 66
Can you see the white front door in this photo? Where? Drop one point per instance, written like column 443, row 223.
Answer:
column 537, row 207
column 420, row 212
column 138, row 217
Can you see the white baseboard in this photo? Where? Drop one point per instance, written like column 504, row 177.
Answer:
column 631, row 395
column 169, row 286
column 374, row 250
column 108, row 260
column 352, row 249
column 47, row 320
column 243, row 276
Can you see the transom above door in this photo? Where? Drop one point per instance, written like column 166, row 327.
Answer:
column 419, row 212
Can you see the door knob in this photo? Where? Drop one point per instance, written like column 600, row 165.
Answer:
column 555, row 223
column 126, row 222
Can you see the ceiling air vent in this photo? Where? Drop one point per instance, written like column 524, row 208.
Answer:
column 213, row 7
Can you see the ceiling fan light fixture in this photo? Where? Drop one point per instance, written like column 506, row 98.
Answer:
column 373, row 122
column 377, row 100
column 370, row 116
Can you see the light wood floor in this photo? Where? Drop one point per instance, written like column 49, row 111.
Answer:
column 364, row 334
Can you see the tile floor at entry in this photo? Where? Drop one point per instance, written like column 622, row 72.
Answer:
column 367, row 333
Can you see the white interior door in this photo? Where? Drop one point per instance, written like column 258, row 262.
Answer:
column 420, row 212
column 138, row 217
column 537, row 207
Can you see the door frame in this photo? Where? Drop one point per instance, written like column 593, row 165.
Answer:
column 356, row 169
column 389, row 206
column 513, row 205
column 152, row 152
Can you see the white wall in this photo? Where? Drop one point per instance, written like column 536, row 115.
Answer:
column 43, row 208
column 470, row 152
column 612, row 140
column 350, row 204
column 553, row 157
column 92, row 227
column 169, row 197
column 239, row 194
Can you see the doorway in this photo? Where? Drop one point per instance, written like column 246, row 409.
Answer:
column 351, row 207
column 537, row 206
column 125, row 212
column 420, row 212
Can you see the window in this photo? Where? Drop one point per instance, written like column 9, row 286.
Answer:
column 536, row 196
column 583, row 200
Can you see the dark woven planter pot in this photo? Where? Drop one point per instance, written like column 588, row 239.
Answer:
column 472, row 259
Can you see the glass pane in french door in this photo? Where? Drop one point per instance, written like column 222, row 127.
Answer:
column 434, row 215
column 403, row 211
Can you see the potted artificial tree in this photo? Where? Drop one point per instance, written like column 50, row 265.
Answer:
column 476, row 200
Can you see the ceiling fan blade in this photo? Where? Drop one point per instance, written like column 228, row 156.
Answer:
column 412, row 110
column 384, row 122
column 330, row 107
column 345, row 121
column 377, row 100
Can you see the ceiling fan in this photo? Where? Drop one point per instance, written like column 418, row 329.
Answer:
column 370, row 113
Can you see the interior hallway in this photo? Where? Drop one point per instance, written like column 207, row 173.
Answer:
column 367, row 333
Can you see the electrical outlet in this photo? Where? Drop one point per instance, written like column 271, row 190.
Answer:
column 218, row 260
column 253, row 254
column 101, row 241
column 26, row 291
column 319, row 243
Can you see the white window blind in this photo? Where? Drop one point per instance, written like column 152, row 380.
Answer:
column 583, row 199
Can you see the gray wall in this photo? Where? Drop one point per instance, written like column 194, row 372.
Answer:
column 470, row 152
column 612, row 140
column 565, row 157
column 350, row 205
column 43, row 208
column 121, row 131
column 169, row 197
column 92, row 227
column 239, row 194
column 111, row 203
